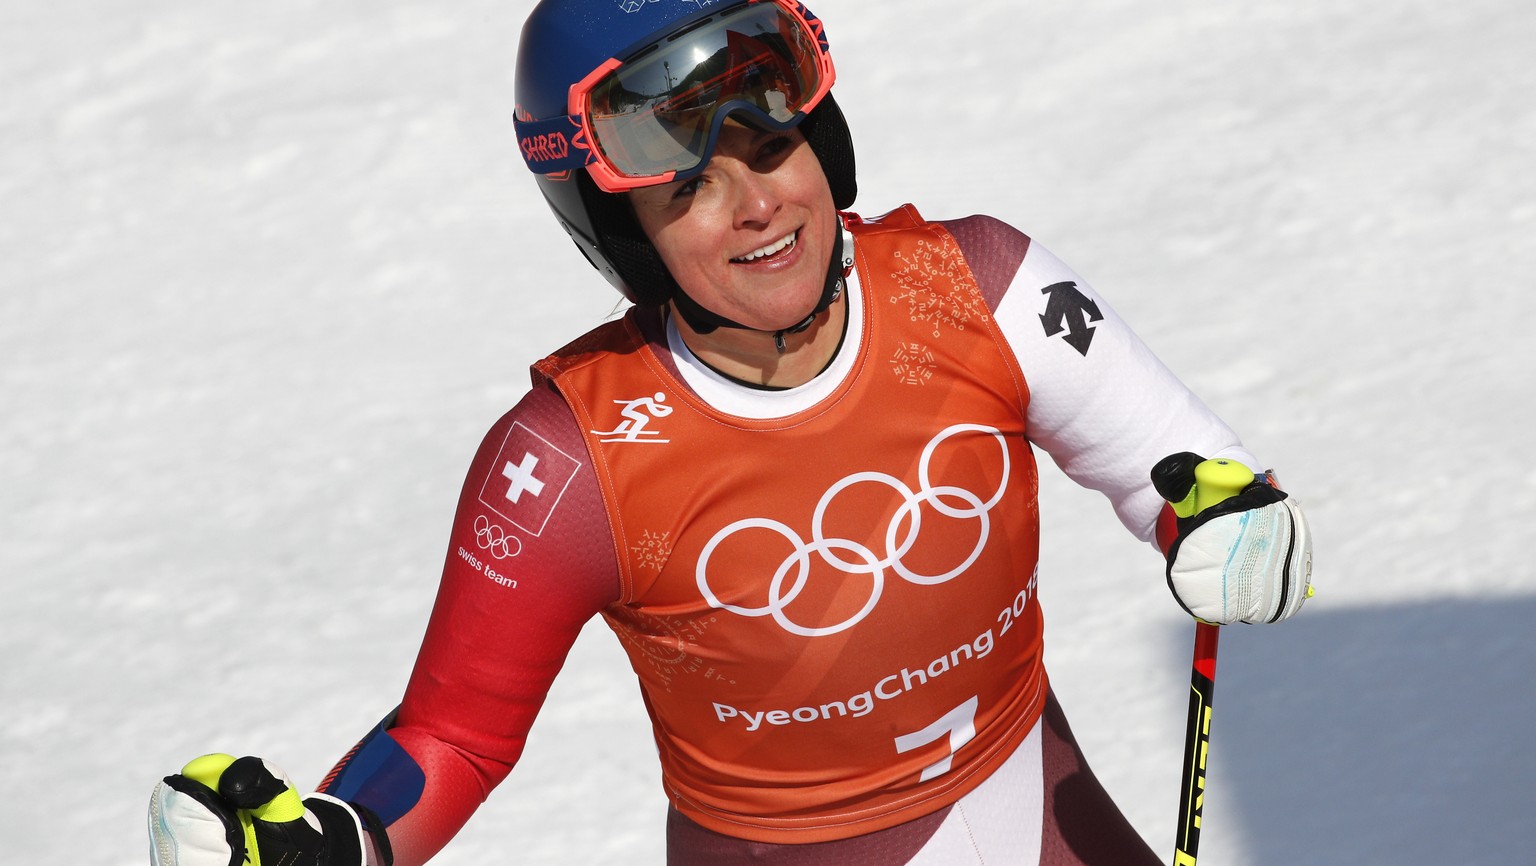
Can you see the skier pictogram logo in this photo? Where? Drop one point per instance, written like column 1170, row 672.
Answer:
column 1070, row 310
column 637, row 414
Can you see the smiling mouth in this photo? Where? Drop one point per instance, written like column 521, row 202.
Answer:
column 764, row 252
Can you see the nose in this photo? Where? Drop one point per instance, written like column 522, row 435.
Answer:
column 756, row 201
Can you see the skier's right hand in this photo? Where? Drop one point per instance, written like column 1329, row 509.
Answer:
column 223, row 811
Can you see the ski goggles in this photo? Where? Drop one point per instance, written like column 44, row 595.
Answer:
column 655, row 116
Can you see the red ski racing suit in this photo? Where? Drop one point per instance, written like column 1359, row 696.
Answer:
column 827, row 593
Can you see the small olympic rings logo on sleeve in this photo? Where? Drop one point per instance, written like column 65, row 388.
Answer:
column 493, row 538
column 792, row 575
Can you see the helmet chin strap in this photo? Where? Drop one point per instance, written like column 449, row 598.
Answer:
column 703, row 321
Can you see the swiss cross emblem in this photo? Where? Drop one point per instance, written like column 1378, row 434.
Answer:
column 527, row 479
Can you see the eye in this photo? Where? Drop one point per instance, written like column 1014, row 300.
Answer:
column 686, row 189
column 776, row 146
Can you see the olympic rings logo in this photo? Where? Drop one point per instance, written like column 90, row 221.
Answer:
column 792, row 575
column 495, row 539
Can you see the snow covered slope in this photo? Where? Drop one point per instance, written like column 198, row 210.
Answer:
column 268, row 271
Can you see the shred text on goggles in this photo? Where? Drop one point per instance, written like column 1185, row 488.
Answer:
column 655, row 117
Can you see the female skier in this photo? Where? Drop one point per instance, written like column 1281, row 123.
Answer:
column 795, row 478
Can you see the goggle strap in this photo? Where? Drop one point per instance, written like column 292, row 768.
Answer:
column 553, row 145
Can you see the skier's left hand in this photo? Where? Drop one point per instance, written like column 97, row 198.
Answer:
column 1246, row 559
column 223, row 811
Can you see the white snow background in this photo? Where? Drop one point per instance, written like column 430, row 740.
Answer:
column 268, row 271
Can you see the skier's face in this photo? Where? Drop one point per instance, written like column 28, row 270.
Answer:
column 750, row 238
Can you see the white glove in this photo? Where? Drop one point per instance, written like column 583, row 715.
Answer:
column 222, row 811
column 1245, row 559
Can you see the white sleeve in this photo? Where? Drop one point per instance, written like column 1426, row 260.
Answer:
column 1102, row 405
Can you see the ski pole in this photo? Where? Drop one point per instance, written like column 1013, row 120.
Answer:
column 1213, row 482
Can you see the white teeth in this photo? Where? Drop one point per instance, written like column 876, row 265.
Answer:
column 760, row 252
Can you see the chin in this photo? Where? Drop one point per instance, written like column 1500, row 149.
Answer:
column 792, row 316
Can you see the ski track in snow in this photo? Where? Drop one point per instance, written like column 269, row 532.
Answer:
column 267, row 274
